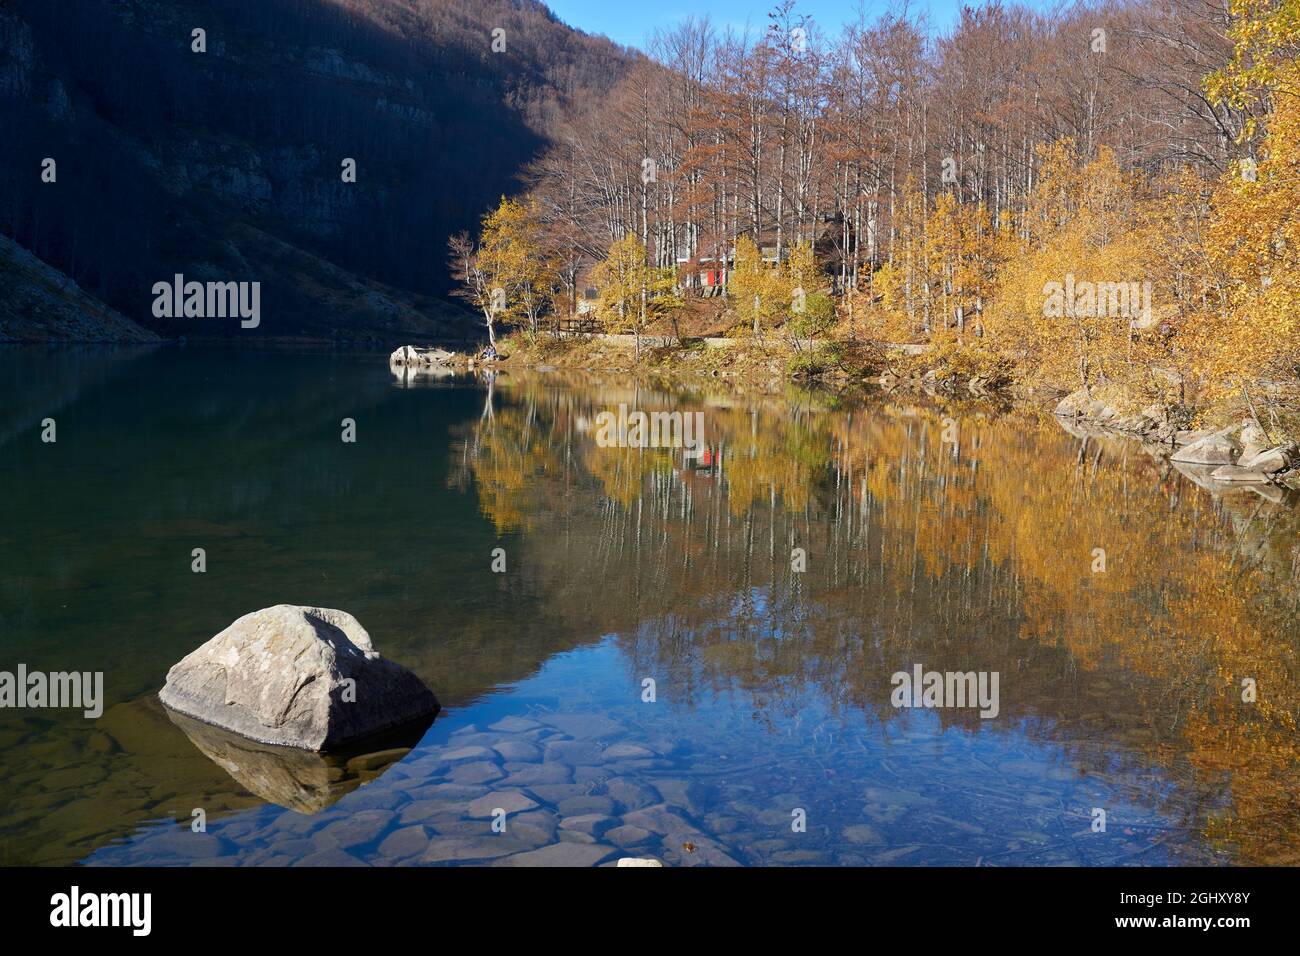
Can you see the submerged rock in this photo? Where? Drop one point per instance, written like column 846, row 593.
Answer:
column 507, row 801
column 562, row 854
column 297, row 677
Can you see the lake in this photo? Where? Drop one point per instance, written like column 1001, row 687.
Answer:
column 690, row 653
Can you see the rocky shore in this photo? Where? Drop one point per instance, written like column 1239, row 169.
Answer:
column 1239, row 454
column 1242, row 454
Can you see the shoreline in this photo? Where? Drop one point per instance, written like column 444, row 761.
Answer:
column 1237, row 455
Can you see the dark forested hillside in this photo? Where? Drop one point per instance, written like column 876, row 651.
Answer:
column 226, row 165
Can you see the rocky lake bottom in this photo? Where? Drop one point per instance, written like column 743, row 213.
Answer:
column 583, row 787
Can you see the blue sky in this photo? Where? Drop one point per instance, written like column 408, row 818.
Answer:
column 631, row 22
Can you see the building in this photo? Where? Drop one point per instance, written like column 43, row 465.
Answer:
column 707, row 275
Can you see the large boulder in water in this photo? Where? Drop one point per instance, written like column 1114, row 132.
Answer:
column 304, row 677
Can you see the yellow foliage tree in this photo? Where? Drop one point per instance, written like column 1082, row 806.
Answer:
column 1254, row 235
column 632, row 293
column 755, row 289
column 508, row 275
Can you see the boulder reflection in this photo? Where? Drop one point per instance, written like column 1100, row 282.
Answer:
column 299, row 780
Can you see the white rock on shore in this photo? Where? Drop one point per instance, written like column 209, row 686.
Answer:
column 415, row 357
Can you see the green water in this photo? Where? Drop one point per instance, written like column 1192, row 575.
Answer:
column 771, row 737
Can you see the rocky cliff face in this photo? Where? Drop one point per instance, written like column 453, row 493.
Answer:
column 219, row 155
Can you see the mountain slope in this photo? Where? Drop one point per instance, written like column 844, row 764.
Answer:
column 226, row 165
column 40, row 304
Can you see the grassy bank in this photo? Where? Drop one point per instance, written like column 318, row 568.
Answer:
column 745, row 363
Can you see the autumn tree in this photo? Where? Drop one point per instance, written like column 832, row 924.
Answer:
column 476, row 276
column 508, row 275
column 811, row 310
column 632, row 294
column 1254, row 236
column 753, row 288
